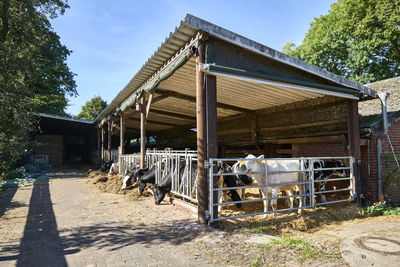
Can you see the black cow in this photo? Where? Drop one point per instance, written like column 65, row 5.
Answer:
column 147, row 178
column 132, row 176
column 160, row 190
column 242, row 179
column 324, row 174
column 229, row 181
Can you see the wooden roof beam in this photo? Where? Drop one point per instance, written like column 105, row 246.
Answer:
column 193, row 100
column 172, row 114
column 156, row 122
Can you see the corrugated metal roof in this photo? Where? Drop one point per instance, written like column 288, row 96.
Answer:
column 57, row 117
column 183, row 80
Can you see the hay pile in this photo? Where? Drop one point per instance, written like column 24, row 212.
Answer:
column 113, row 183
column 286, row 222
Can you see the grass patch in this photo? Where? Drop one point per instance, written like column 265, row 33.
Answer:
column 307, row 250
column 259, row 230
column 202, row 242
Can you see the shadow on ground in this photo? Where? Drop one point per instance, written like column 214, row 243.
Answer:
column 114, row 236
column 40, row 244
column 5, row 200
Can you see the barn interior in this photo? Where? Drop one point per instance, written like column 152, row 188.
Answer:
column 266, row 102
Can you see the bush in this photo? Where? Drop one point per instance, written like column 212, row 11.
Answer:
column 381, row 208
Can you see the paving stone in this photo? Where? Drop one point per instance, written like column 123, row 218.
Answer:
column 68, row 225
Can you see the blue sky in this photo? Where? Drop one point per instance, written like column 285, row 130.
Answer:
column 111, row 39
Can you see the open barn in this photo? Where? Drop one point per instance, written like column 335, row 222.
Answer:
column 224, row 95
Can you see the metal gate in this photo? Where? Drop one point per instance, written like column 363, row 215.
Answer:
column 181, row 163
column 308, row 168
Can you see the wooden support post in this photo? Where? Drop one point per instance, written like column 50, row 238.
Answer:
column 109, row 139
column 102, row 143
column 142, row 108
column 201, row 114
column 353, row 127
column 98, row 146
column 122, row 134
column 212, row 146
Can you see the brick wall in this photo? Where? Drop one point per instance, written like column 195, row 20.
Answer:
column 394, row 134
column 371, row 174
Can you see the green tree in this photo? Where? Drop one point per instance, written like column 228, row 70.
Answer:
column 92, row 108
column 357, row 39
column 29, row 65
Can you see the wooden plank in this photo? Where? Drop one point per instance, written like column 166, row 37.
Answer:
column 109, row 138
column 98, row 146
column 308, row 140
column 283, row 151
column 102, row 144
column 212, row 147
column 148, row 105
column 353, row 127
column 172, row 114
column 201, row 112
column 303, row 125
column 155, row 122
column 122, row 133
column 142, row 132
column 160, row 97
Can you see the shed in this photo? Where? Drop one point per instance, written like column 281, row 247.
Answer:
column 371, row 129
column 65, row 140
column 223, row 94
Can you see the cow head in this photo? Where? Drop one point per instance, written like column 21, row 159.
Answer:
column 141, row 186
column 252, row 163
column 159, row 194
column 105, row 166
column 113, row 169
column 126, row 182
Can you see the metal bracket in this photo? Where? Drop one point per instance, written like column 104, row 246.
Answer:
column 206, row 164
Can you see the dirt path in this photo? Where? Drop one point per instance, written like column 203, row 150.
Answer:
column 68, row 221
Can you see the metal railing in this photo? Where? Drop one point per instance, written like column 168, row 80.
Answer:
column 127, row 162
column 306, row 179
column 114, row 155
column 181, row 163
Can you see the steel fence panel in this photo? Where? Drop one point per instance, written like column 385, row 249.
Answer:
column 307, row 182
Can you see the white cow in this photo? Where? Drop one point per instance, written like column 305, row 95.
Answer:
column 257, row 164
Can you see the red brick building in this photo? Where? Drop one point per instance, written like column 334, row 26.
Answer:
column 371, row 128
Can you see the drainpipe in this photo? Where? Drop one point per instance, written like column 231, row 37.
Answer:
column 382, row 97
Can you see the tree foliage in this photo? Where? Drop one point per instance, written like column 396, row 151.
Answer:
column 33, row 73
column 92, row 108
column 357, row 39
